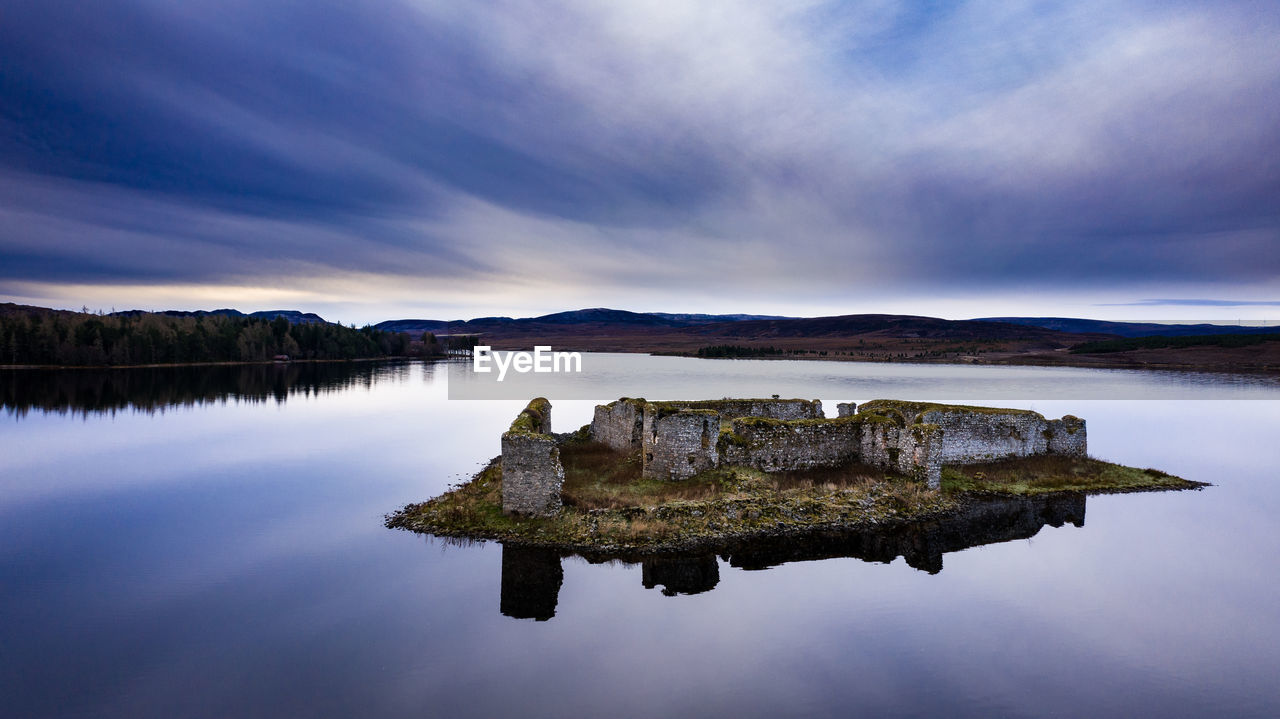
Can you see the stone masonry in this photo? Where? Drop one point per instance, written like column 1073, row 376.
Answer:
column 677, row 440
column 531, row 471
column 619, row 424
column 982, row 434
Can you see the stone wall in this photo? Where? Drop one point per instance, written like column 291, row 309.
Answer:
column 678, row 440
column 734, row 408
column 775, row 445
column 983, row 434
column 531, row 471
column 915, row 450
column 619, row 424
column 780, row 445
column 680, row 444
column 1068, row 436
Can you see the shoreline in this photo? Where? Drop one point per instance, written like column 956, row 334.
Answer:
column 1030, row 361
column 695, row 526
column 1014, row 361
column 236, row 363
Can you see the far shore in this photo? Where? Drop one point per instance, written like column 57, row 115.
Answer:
column 209, row 364
column 1212, row 360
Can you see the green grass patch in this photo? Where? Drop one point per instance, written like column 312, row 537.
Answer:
column 1057, row 473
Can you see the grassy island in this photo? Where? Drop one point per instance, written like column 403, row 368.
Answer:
column 608, row 506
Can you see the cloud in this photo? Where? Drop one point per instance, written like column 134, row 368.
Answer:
column 1195, row 303
column 647, row 147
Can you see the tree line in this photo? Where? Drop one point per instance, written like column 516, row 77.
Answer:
column 46, row 337
column 1162, row 342
column 723, row 351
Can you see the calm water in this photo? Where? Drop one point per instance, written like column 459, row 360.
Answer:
column 210, row 543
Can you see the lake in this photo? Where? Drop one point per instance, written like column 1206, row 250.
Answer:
column 209, row 542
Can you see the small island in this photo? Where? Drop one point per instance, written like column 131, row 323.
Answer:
column 653, row 477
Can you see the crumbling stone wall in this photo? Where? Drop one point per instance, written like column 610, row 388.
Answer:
column 620, row 424
column 774, row 445
column 678, row 440
column 982, row 434
column 1067, row 436
column 679, row 444
column 778, row 445
column 734, row 408
column 531, row 471
column 914, row 450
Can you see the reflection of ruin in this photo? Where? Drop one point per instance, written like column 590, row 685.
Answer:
column 531, row 577
column 988, row 521
column 681, row 575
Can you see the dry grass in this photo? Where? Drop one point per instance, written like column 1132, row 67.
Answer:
column 852, row 475
column 597, row 477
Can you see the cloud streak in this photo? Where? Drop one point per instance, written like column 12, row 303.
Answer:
column 664, row 149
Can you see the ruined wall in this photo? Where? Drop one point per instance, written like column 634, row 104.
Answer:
column 1068, row 436
column 620, row 425
column 680, row 448
column 681, row 439
column 915, row 450
column 982, row 434
column 535, row 417
column 678, row 445
column 775, row 445
column 768, row 408
column 531, row 471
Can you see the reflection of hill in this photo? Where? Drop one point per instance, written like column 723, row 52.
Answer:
column 149, row 389
column 531, row 577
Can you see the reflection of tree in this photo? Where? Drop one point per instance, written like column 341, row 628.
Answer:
column 87, row 391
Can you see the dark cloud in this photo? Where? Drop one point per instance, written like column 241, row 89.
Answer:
column 977, row 144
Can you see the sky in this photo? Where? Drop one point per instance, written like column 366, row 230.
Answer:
column 446, row 160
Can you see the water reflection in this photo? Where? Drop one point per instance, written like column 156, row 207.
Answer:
column 151, row 389
column 531, row 580
column 532, row 577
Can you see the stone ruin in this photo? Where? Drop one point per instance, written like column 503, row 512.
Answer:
column 531, row 471
column 677, row 440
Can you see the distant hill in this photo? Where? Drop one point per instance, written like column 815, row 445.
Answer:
column 708, row 319
column 1129, row 329
column 414, row 327
column 895, row 326
column 294, row 316
column 596, row 317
